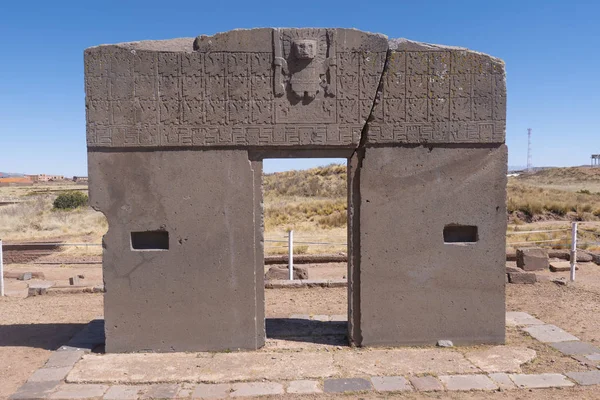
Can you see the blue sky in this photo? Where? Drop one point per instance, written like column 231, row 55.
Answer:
column 550, row 48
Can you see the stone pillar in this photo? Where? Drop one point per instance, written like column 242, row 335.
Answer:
column 182, row 259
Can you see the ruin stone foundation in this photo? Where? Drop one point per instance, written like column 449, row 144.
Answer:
column 177, row 131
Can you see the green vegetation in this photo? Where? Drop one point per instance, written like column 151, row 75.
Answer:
column 70, row 200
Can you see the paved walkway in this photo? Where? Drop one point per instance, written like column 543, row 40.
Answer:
column 74, row 372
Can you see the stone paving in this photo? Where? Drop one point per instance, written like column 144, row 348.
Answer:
column 75, row 372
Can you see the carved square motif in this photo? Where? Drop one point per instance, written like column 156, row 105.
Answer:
column 145, row 87
column 348, row 112
column 191, row 64
column 168, row 64
column 461, row 62
column 262, row 112
column 347, row 64
column 482, row 108
column 368, row 86
column 417, row 63
column 148, row 135
column 214, row 64
column 261, row 64
column 96, row 64
column 499, row 85
column 215, row 87
column 261, row 87
column 237, row 87
column 98, row 112
column 168, row 86
column 482, row 85
column 416, row 86
column 370, row 113
column 121, row 63
column 394, row 110
column 347, row 87
column 481, row 64
column 439, row 86
column 121, row 88
column 192, row 87
column 461, row 85
column 146, row 112
column 460, row 109
column 499, row 111
column 394, row 86
column 193, row 111
column 371, row 63
column 439, row 109
column 439, row 63
column 216, row 112
column 416, row 110
column 237, row 64
column 397, row 63
column 122, row 112
column 169, row 111
column 96, row 88
column 144, row 63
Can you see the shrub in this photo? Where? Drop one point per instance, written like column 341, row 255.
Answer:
column 70, row 200
column 584, row 191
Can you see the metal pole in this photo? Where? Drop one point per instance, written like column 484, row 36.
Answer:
column 291, row 254
column 573, row 250
column 1, row 272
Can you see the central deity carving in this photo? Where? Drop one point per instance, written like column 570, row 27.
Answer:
column 304, row 63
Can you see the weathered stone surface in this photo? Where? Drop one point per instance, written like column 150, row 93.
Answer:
column 463, row 281
column 468, row 382
column 218, row 105
column 25, row 276
column 595, row 258
column 49, row 374
column 549, row 334
column 584, row 256
column 391, row 384
column 585, row 378
column 522, row 278
column 74, row 280
column 124, row 392
column 445, row 343
column 503, row 381
column 161, row 391
column 426, row 383
column 35, row 390
column 539, row 381
column 283, row 273
column 532, row 259
column 304, row 387
column 256, row 389
column 211, row 391
column 518, row 318
column 501, row 358
column 575, row 348
column 60, row 359
column 346, row 385
column 560, row 266
column 65, row 392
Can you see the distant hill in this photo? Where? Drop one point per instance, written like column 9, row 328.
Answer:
column 9, row 174
column 570, row 178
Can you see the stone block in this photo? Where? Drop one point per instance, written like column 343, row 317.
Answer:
column 283, row 273
column 50, row 374
column 575, row 348
column 78, row 391
column 468, row 382
column 346, row 385
column 74, row 280
column 518, row 318
column 35, row 390
column 211, row 391
column 503, row 381
column 585, row 378
column 445, row 343
column 595, row 258
column 501, row 358
column 304, row 387
column 25, row 276
column 256, row 389
column 426, row 383
column 584, row 256
column 60, row 359
column 540, row 381
column 561, row 266
column 549, row 333
column 161, row 391
column 527, row 278
column 391, row 384
column 124, row 392
column 532, row 259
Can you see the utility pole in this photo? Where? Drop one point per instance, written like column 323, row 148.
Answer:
column 529, row 166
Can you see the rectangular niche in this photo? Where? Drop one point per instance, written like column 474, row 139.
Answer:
column 460, row 234
column 150, row 240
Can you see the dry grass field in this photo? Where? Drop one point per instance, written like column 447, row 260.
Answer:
column 313, row 203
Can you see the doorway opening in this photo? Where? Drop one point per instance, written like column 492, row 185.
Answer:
column 305, row 202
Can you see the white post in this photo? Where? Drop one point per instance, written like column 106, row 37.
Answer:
column 291, row 253
column 1, row 272
column 573, row 250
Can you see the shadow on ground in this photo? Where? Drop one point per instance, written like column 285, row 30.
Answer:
column 43, row 336
column 305, row 330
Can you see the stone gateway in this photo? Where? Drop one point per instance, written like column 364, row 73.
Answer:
column 177, row 131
